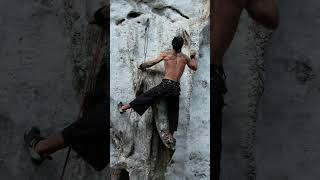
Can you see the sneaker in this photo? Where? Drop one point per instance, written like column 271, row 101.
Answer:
column 31, row 139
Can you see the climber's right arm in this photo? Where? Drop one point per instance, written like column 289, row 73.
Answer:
column 192, row 61
column 152, row 62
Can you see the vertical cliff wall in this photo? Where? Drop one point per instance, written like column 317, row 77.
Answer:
column 244, row 66
column 288, row 122
column 270, row 122
column 44, row 47
column 136, row 148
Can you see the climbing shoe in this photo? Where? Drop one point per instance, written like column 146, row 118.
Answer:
column 31, row 139
column 168, row 140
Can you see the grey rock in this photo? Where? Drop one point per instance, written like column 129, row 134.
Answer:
column 43, row 62
column 141, row 152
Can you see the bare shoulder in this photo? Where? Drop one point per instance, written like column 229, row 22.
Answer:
column 165, row 53
column 185, row 57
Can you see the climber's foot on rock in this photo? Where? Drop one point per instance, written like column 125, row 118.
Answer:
column 171, row 161
column 120, row 108
column 123, row 107
column 168, row 140
column 31, row 139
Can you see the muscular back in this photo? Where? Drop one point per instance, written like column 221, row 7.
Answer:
column 174, row 64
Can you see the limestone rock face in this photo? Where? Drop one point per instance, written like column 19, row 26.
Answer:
column 140, row 30
column 271, row 120
column 288, row 119
column 244, row 67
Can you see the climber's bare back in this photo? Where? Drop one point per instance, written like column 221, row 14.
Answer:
column 174, row 64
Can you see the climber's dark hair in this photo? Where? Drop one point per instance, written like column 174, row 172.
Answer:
column 177, row 43
column 101, row 16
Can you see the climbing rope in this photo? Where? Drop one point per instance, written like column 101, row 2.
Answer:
column 145, row 50
column 89, row 87
column 146, row 39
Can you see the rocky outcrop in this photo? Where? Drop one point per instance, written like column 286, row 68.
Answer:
column 140, row 30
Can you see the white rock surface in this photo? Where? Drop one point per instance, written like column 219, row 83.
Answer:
column 140, row 151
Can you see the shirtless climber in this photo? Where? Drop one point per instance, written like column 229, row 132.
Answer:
column 225, row 21
column 88, row 136
column 169, row 89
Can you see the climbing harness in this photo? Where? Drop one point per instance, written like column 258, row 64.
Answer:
column 89, row 87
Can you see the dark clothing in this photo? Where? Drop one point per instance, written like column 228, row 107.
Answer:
column 89, row 136
column 167, row 90
column 172, row 103
column 100, row 18
column 217, row 90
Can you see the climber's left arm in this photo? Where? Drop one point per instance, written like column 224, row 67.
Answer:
column 152, row 62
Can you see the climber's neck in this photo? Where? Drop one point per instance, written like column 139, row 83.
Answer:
column 176, row 51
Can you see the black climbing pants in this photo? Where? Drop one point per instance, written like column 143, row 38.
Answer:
column 167, row 90
column 89, row 136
